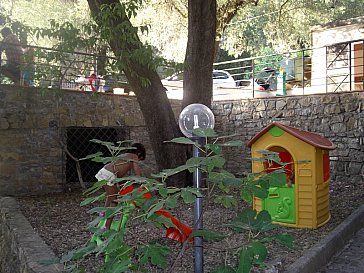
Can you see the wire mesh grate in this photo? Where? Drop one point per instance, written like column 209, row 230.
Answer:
column 80, row 146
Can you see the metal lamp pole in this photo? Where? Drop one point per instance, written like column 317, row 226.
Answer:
column 198, row 223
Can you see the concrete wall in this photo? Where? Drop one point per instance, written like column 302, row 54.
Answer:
column 331, row 34
column 32, row 159
column 338, row 32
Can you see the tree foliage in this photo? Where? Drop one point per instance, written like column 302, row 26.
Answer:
column 242, row 26
column 283, row 24
column 38, row 14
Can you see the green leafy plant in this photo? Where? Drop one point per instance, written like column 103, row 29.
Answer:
column 121, row 255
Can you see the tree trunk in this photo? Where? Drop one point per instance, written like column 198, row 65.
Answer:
column 151, row 96
column 197, row 83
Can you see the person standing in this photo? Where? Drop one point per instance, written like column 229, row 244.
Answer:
column 14, row 55
column 118, row 169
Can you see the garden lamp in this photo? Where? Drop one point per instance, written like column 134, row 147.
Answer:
column 192, row 117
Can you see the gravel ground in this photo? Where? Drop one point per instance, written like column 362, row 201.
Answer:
column 60, row 221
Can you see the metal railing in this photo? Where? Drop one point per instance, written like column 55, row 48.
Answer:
column 344, row 66
column 50, row 68
column 333, row 68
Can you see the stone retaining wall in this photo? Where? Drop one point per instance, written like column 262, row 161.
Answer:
column 32, row 129
column 21, row 248
column 337, row 116
column 32, row 160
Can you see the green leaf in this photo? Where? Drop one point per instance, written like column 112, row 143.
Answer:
column 182, row 140
column 276, row 178
column 118, row 255
column 169, row 172
column 233, row 143
column 262, row 182
column 92, row 156
column 187, row 196
column 258, row 252
column 155, row 253
column 95, row 187
column 118, row 266
column 227, row 201
column 163, row 192
column 155, row 208
column 244, row 220
column 118, row 247
column 194, row 191
column 93, row 199
column 263, row 221
column 233, row 182
column 215, row 148
column 224, row 269
column 96, row 222
column 194, row 161
column 217, row 177
column 171, row 202
column 214, row 161
column 266, row 152
column 246, row 195
column 208, row 235
column 207, row 132
column 259, row 192
column 97, row 210
column 78, row 253
column 162, row 220
column 244, row 262
column 248, row 219
column 105, row 143
column 173, row 190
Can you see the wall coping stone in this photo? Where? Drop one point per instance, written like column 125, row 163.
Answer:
column 21, row 246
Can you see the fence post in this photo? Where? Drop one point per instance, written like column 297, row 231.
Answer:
column 303, row 71
column 350, row 68
column 253, row 77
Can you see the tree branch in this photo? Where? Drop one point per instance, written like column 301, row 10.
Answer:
column 77, row 161
column 280, row 11
column 226, row 13
column 178, row 6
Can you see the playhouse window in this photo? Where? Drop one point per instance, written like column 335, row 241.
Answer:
column 287, row 163
column 326, row 166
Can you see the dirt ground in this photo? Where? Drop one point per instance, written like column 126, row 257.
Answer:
column 61, row 222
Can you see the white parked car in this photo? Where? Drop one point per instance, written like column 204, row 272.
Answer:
column 220, row 78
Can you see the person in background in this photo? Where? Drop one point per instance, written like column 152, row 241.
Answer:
column 118, row 169
column 29, row 69
column 14, row 55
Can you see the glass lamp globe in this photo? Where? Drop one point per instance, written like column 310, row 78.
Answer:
column 195, row 116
